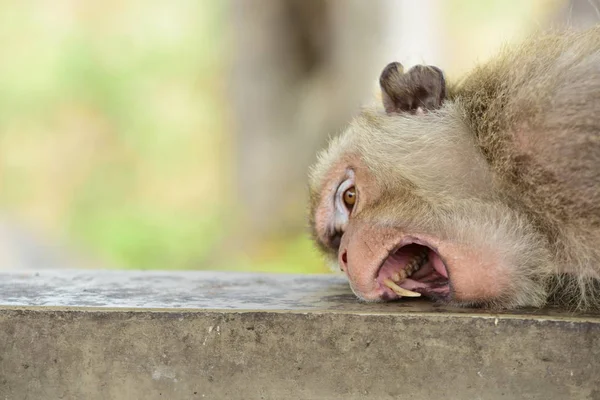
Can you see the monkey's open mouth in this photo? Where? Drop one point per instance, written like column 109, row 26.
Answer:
column 413, row 270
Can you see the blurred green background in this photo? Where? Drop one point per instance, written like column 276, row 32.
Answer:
column 122, row 134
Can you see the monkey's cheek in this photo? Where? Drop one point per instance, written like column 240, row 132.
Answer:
column 475, row 274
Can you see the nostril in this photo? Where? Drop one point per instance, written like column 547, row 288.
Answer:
column 344, row 259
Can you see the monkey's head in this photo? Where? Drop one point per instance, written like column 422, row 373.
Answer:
column 403, row 202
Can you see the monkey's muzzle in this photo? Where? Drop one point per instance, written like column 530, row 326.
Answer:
column 413, row 270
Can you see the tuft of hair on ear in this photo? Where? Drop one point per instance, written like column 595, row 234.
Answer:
column 421, row 89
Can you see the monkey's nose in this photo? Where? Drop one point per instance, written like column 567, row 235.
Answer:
column 343, row 260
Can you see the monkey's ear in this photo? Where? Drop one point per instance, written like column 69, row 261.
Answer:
column 421, row 89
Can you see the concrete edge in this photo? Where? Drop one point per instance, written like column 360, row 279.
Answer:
column 450, row 315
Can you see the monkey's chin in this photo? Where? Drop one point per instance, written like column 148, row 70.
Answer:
column 413, row 269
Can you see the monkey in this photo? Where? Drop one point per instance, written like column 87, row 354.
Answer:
column 479, row 192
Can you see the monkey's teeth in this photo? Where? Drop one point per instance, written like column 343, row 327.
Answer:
column 399, row 290
column 400, row 276
column 416, row 263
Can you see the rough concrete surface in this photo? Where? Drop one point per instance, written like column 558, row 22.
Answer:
column 142, row 335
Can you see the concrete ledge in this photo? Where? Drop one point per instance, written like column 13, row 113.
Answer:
column 143, row 335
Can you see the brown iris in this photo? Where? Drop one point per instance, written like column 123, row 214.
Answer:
column 350, row 197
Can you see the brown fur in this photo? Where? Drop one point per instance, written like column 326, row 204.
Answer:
column 510, row 162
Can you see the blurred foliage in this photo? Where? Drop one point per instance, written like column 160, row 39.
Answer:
column 111, row 126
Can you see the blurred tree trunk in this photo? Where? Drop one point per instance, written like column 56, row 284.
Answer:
column 300, row 69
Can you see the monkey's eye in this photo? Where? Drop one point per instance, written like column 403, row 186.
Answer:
column 350, row 197
column 344, row 200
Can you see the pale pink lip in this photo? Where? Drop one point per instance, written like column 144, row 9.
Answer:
column 430, row 279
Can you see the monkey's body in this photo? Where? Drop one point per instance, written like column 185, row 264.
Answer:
column 537, row 123
column 496, row 178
